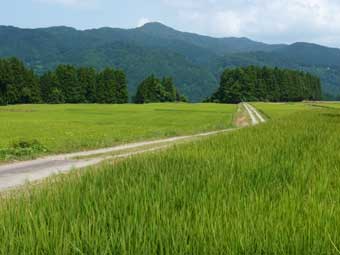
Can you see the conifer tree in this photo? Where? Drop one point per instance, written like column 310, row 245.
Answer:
column 70, row 85
column 31, row 90
column 88, row 83
column 106, row 87
column 121, row 87
column 152, row 90
column 170, row 89
column 51, row 89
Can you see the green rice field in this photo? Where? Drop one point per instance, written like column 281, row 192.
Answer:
column 268, row 189
column 330, row 104
column 279, row 110
column 31, row 130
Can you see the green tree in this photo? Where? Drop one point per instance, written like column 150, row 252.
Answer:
column 121, row 87
column 48, row 84
column 3, row 83
column 31, row 92
column 171, row 91
column 56, row 96
column 106, row 87
column 87, row 79
column 15, row 79
column 152, row 90
column 70, row 85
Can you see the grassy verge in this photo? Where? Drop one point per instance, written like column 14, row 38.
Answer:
column 68, row 128
column 270, row 189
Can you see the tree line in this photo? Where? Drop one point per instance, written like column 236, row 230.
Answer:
column 266, row 84
column 69, row 84
column 66, row 84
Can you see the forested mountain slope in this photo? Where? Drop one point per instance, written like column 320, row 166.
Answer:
column 194, row 61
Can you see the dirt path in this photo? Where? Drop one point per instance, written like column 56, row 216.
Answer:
column 255, row 116
column 16, row 174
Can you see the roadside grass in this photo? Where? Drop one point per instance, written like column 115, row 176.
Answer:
column 269, row 189
column 68, row 128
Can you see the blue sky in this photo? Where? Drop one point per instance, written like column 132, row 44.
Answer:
column 271, row 21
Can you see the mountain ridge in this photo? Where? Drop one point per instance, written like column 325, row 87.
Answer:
column 196, row 60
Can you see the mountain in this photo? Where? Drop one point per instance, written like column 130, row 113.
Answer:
column 194, row 61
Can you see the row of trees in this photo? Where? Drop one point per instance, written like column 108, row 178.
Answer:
column 154, row 90
column 84, row 85
column 67, row 84
column 266, row 84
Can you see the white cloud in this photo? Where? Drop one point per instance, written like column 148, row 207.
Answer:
column 269, row 20
column 143, row 21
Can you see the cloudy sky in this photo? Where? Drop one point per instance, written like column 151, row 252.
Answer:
column 272, row 21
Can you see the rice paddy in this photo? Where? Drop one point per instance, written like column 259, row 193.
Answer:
column 269, row 189
column 31, row 130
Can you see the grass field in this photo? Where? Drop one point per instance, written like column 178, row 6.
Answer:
column 335, row 105
column 279, row 110
column 65, row 128
column 269, row 189
column 329, row 104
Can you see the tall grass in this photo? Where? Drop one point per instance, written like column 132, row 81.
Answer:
column 270, row 189
column 66, row 128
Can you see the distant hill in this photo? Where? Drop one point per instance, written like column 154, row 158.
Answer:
column 194, row 61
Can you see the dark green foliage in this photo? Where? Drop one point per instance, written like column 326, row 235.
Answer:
column 153, row 90
column 106, row 86
column 56, row 97
column 121, row 87
column 67, row 84
column 70, row 86
column 266, row 84
column 87, row 77
column 181, row 98
column 150, row 91
column 31, row 90
column 170, row 89
column 18, row 85
column 50, row 88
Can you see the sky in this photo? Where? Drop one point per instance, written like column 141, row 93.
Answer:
column 270, row 21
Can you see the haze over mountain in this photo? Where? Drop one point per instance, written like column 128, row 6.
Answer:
column 194, row 61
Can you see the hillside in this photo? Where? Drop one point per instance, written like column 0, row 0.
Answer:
column 193, row 60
